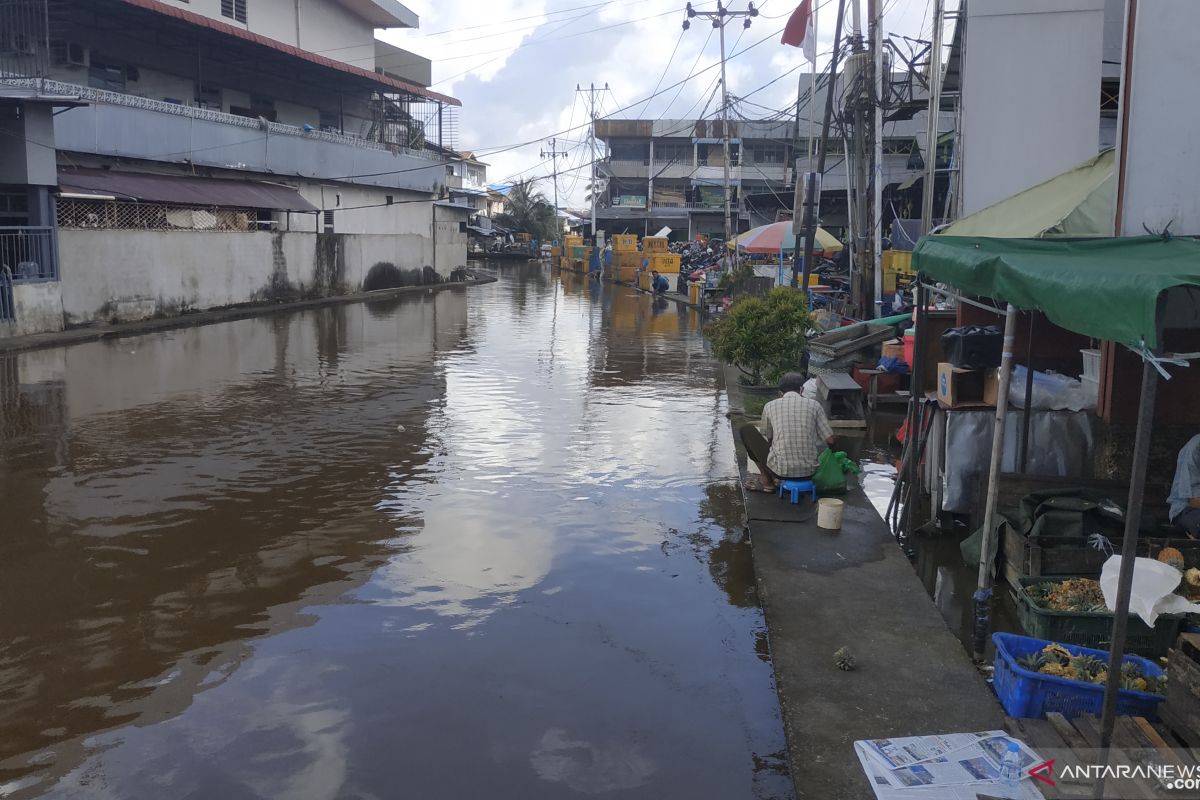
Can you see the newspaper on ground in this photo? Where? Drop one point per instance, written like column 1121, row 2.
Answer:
column 956, row 766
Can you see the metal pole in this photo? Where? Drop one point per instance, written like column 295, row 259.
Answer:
column 1133, row 517
column 1027, row 418
column 592, row 152
column 725, row 136
column 983, row 595
column 916, row 396
column 810, row 222
column 931, row 124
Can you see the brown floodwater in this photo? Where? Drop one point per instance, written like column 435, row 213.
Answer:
column 475, row 543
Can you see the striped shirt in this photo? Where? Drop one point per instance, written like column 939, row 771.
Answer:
column 797, row 429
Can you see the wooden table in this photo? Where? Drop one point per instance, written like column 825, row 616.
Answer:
column 1076, row 742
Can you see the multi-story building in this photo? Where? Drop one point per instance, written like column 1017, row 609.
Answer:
column 671, row 172
column 161, row 156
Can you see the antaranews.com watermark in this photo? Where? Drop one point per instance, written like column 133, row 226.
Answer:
column 1164, row 773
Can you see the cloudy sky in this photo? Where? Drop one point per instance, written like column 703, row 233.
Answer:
column 515, row 65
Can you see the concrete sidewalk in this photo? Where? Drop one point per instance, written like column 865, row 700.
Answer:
column 821, row 590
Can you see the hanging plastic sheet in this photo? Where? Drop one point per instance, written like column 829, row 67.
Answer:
column 1065, row 441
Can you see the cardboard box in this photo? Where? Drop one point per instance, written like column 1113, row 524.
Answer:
column 960, row 388
column 893, row 348
column 991, row 386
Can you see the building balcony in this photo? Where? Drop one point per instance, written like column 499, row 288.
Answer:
column 127, row 126
column 628, row 169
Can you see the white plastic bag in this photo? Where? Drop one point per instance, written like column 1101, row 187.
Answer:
column 1051, row 391
column 1153, row 592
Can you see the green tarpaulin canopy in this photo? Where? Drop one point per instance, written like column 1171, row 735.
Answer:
column 1113, row 288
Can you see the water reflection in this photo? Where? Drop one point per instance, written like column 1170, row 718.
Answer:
column 344, row 551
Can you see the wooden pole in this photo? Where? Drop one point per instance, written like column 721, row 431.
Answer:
column 983, row 594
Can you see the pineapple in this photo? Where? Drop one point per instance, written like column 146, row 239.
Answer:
column 1086, row 665
column 1172, row 556
column 1054, row 669
column 844, row 659
column 1033, row 661
column 1055, row 651
column 1101, row 677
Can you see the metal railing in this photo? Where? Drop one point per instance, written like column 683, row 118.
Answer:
column 24, row 39
column 29, row 254
column 116, row 215
column 197, row 112
column 8, row 311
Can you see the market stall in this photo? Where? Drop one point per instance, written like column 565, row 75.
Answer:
column 1129, row 291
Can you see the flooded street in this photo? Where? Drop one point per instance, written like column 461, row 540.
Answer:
column 481, row 543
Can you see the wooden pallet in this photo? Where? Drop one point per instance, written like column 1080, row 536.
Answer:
column 1077, row 741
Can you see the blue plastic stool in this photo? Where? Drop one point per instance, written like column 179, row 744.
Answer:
column 796, row 487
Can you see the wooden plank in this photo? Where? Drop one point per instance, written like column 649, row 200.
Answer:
column 1189, row 643
column 1123, row 742
column 1088, row 728
column 1158, row 742
column 1067, row 731
column 1051, row 743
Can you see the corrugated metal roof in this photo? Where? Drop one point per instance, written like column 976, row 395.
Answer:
column 182, row 189
column 274, row 44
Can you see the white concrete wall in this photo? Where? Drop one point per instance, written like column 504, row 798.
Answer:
column 1031, row 86
column 1162, row 158
column 331, row 30
column 38, row 309
column 130, row 275
column 324, row 27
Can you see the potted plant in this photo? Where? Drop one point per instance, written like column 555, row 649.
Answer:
column 763, row 337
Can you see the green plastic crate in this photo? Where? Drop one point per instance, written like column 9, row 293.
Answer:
column 1092, row 629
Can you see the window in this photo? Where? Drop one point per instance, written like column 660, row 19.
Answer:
column 767, row 153
column 110, row 77
column 331, row 121
column 234, row 9
column 328, row 220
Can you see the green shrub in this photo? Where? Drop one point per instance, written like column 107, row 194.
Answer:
column 764, row 337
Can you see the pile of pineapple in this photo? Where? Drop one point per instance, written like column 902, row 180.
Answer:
column 1073, row 594
column 1056, row 660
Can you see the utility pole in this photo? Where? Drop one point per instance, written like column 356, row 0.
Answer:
column 591, row 93
column 810, row 218
column 719, row 18
column 554, row 154
column 935, row 109
column 877, row 70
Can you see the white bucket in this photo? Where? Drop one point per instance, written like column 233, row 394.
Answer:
column 829, row 513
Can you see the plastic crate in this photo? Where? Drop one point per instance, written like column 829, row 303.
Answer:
column 1093, row 629
column 1026, row 694
column 624, row 242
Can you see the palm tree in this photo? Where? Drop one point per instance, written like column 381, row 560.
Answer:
column 528, row 211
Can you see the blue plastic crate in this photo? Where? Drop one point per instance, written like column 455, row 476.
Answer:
column 1026, row 694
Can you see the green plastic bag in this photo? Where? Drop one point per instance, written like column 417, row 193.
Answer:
column 830, row 477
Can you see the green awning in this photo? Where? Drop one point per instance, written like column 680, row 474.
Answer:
column 1113, row 288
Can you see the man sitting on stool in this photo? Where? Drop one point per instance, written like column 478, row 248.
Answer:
column 795, row 431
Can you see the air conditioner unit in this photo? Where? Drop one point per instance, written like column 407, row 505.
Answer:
column 68, row 54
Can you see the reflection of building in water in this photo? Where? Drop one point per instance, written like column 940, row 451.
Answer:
column 187, row 490
column 640, row 340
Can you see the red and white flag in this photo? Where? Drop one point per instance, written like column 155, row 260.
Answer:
column 801, row 30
